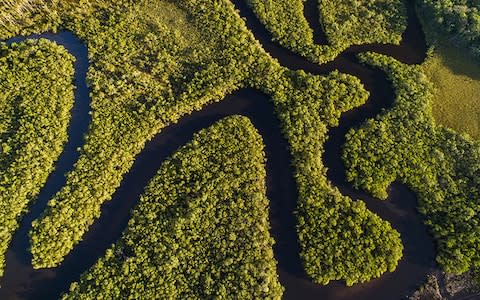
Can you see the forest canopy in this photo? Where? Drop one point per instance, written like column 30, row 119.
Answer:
column 345, row 23
column 459, row 19
column 36, row 98
column 358, row 22
column 153, row 62
column 441, row 166
column 200, row 230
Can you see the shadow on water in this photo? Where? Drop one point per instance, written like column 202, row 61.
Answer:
column 312, row 14
column 21, row 281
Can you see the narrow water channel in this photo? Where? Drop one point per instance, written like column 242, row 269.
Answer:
column 400, row 207
column 22, row 282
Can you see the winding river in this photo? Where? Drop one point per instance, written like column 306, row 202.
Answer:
column 22, row 281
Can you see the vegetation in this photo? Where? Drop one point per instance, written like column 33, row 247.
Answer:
column 201, row 229
column 153, row 62
column 442, row 166
column 455, row 78
column 149, row 67
column 346, row 23
column 459, row 19
column 25, row 16
column 358, row 22
column 289, row 27
column 340, row 239
column 37, row 96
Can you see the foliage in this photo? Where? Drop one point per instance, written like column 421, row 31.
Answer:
column 20, row 16
column 340, row 239
column 455, row 77
column 441, row 166
column 459, row 19
column 346, row 23
column 201, row 229
column 358, row 22
column 37, row 96
column 153, row 62
column 24, row 17
column 289, row 27
column 149, row 67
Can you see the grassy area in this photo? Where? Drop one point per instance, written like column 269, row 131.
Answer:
column 12, row 11
column 456, row 77
column 440, row 165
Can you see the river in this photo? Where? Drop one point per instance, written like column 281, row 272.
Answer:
column 21, row 281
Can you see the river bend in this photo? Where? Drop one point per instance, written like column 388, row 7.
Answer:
column 22, row 281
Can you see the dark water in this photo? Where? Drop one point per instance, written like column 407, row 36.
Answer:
column 400, row 208
column 21, row 281
column 312, row 14
column 18, row 272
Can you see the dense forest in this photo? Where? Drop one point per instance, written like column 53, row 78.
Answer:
column 460, row 19
column 153, row 62
column 179, row 66
column 345, row 23
column 356, row 22
column 340, row 239
column 26, row 16
column 201, row 229
column 441, row 166
column 137, row 89
column 36, row 80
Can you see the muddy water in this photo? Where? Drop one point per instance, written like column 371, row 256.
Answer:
column 22, row 282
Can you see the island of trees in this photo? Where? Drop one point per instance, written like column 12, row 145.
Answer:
column 201, row 228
